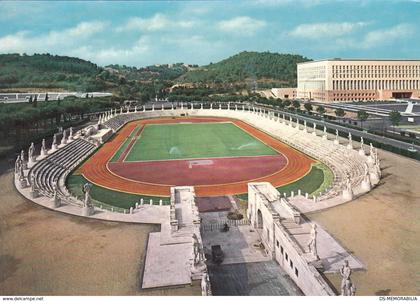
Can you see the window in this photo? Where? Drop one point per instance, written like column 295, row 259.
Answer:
column 281, row 250
column 291, row 264
column 287, row 256
column 296, row 272
column 278, row 244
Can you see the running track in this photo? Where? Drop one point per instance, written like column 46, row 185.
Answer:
column 96, row 169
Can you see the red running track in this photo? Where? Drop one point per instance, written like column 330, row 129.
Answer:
column 195, row 172
column 96, row 168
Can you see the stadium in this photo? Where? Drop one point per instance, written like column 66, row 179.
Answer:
column 178, row 165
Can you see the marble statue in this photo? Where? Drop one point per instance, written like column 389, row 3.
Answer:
column 347, row 286
column 350, row 139
column 43, row 148
column 325, row 130
column 348, row 182
column 205, row 285
column 64, row 139
column 71, row 132
column 361, row 142
column 18, row 163
column 198, row 251
column 33, row 184
column 86, row 190
column 314, row 127
column 371, row 148
column 22, row 155
column 21, row 173
column 336, row 134
column 312, row 242
column 31, row 152
column 54, row 142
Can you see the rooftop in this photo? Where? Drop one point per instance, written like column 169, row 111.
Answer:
column 360, row 60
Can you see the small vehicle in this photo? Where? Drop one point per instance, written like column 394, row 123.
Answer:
column 217, row 254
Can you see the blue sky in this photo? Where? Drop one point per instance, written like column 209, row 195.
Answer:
column 146, row 33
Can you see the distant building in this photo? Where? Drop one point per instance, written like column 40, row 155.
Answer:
column 340, row 80
column 284, row 93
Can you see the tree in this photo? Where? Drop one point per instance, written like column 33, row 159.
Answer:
column 308, row 107
column 286, row 103
column 362, row 116
column 340, row 112
column 46, row 96
column 320, row 110
column 296, row 104
column 395, row 118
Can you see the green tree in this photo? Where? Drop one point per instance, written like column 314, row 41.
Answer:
column 308, row 107
column 395, row 118
column 296, row 104
column 362, row 116
column 320, row 110
column 340, row 112
column 287, row 103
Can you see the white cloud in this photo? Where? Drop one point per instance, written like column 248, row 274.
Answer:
column 109, row 55
column 387, row 35
column 86, row 29
column 243, row 25
column 23, row 42
column 378, row 37
column 319, row 30
column 155, row 23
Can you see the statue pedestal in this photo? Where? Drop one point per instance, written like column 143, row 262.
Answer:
column 314, row 133
column 23, row 183
column 361, row 152
column 347, row 195
column 336, row 142
column 88, row 211
column 349, row 146
column 370, row 160
column 324, row 137
column 34, row 194
column 54, row 147
column 374, row 178
column 55, row 202
column 198, row 270
column 366, row 185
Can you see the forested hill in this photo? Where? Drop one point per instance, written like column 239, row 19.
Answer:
column 259, row 67
column 47, row 71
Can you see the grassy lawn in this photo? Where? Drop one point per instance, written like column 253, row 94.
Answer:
column 124, row 145
column 318, row 179
column 195, row 140
column 107, row 196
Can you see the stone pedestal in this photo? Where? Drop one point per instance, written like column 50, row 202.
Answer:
column 336, row 142
column 33, row 194
column 55, row 202
column 23, row 183
column 347, row 195
column 370, row 160
column 324, row 137
column 350, row 146
column 366, row 186
column 198, row 270
column 88, row 211
column 362, row 152
column 314, row 133
column 374, row 178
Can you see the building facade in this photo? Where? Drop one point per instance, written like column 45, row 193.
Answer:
column 340, row 80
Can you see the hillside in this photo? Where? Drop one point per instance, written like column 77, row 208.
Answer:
column 264, row 69
column 164, row 72
column 48, row 71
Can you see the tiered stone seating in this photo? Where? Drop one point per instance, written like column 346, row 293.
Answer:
column 56, row 166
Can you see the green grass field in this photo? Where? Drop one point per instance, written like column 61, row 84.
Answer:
column 195, row 140
column 318, row 179
column 109, row 198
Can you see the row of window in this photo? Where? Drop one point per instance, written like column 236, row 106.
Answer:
column 376, row 84
column 286, row 257
column 372, row 71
